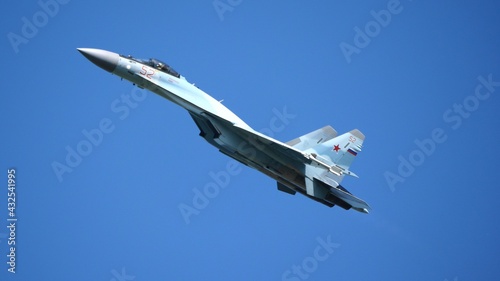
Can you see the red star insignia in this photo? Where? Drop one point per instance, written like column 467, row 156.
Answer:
column 336, row 148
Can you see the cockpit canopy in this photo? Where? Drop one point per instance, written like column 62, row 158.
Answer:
column 158, row 64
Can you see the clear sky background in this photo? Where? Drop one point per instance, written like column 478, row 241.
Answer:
column 420, row 79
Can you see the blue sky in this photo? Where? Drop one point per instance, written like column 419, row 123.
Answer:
column 420, row 79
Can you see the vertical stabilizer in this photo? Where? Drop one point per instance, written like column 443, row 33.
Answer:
column 341, row 150
column 313, row 138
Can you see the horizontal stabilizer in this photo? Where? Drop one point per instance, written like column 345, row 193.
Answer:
column 356, row 203
column 337, row 194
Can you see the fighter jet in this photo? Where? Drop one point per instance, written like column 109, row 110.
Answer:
column 314, row 164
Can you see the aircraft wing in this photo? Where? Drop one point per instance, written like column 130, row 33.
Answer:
column 266, row 143
column 263, row 142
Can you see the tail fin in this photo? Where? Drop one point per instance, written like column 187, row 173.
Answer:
column 313, row 138
column 340, row 150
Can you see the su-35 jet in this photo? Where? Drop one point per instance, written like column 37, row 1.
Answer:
column 314, row 164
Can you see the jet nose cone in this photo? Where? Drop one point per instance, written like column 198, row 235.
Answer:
column 104, row 59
